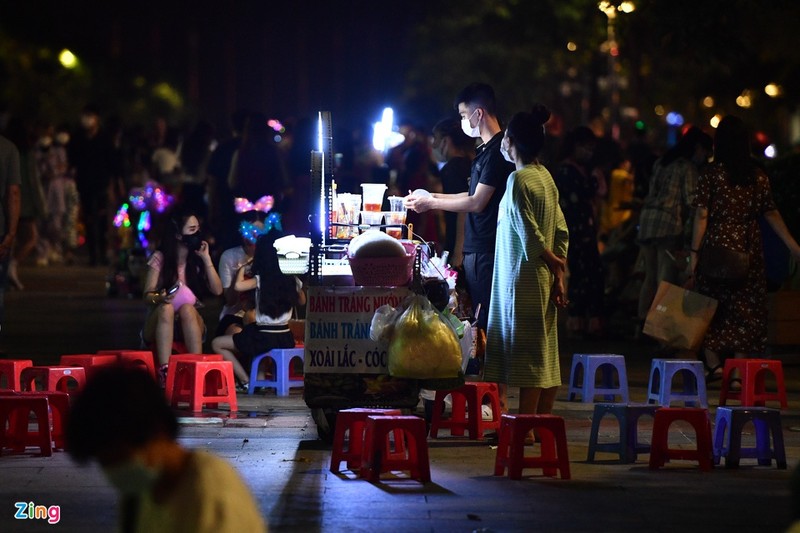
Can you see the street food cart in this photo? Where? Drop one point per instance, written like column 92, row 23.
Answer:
column 343, row 367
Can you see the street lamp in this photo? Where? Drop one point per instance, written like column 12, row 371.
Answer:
column 610, row 10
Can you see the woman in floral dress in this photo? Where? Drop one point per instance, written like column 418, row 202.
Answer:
column 731, row 195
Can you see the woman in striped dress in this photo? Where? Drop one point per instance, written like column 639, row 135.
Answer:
column 528, row 282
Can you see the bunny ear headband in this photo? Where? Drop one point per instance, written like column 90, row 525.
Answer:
column 263, row 204
column 251, row 232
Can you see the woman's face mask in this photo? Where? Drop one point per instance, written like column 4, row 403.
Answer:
column 438, row 152
column 193, row 241
column 504, row 150
column 131, row 476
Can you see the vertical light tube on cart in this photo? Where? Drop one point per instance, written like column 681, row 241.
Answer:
column 322, row 192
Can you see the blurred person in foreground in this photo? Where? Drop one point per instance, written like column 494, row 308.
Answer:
column 121, row 420
column 528, row 283
column 732, row 193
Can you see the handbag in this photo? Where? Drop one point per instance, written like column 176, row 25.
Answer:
column 723, row 264
column 678, row 317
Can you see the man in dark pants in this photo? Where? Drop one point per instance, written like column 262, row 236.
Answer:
column 477, row 107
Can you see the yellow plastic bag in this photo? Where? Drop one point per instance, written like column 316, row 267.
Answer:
column 422, row 345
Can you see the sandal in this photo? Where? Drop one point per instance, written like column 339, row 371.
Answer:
column 713, row 373
column 242, row 387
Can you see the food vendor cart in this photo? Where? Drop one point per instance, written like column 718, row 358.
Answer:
column 343, row 367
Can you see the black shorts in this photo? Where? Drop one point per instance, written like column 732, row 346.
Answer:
column 227, row 321
column 254, row 340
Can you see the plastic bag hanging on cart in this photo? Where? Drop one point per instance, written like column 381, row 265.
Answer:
column 421, row 344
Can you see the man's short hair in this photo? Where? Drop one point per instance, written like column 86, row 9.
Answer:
column 479, row 95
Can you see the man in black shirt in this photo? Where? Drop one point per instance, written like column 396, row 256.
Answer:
column 477, row 107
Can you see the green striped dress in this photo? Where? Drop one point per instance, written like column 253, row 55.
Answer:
column 522, row 336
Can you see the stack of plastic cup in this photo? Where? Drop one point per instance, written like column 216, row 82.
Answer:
column 373, row 196
column 395, row 216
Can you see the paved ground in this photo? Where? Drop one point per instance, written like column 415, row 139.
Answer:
column 273, row 443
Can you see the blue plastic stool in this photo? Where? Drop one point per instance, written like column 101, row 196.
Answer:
column 694, row 383
column 282, row 379
column 728, row 436
column 627, row 415
column 583, row 373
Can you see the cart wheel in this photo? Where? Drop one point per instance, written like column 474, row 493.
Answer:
column 326, row 423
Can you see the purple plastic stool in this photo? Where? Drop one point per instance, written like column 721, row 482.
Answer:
column 660, row 384
column 728, row 436
column 584, row 370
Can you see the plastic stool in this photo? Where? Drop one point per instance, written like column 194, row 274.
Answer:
column 584, row 371
column 728, row 436
column 194, row 377
column 59, row 410
column 375, row 457
column 283, row 379
column 467, row 410
column 11, row 369
column 627, row 415
column 662, row 371
column 173, row 362
column 138, row 357
column 54, row 378
column 15, row 410
column 753, row 372
column 353, row 421
column 511, row 446
column 660, row 452
column 90, row 362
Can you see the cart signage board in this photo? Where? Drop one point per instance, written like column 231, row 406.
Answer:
column 338, row 321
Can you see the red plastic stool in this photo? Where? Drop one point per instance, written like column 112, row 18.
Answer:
column 511, row 446
column 11, row 369
column 90, row 362
column 176, row 358
column 59, row 410
column 198, row 384
column 353, row 422
column 53, row 378
column 753, row 372
column 661, row 453
column 15, row 411
column 376, row 459
column 466, row 410
column 138, row 357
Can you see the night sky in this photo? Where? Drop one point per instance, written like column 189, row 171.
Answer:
column 288, row 59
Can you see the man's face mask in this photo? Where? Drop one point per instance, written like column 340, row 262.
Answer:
column 468, row 129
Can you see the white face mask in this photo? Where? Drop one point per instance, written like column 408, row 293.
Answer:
column 131, row 477
column 438, row 152
column 468, row 129
column 505, row 153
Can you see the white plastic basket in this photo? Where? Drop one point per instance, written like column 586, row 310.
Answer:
column 293, row 263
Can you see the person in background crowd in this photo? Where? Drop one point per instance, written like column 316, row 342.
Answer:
column 732, row 193
column 178, row 273
column 9, row 211
column 221, row 214
column 91, row 154
column 528, row 284
column 257, row 167
column 456, row 150
column 32, row 206
column 665, row 221
column 477, row 107
column 237, row 304
column 121, row 420
column 195, row 155
column 577, row 189
column 277, row 294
